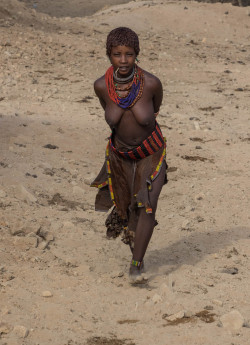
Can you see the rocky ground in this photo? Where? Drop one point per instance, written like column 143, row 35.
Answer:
column 61, row 281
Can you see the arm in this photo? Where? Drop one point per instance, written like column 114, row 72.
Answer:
column 98, row 87
column 158, row 95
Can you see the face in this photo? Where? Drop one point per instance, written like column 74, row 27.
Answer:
column 124, row 58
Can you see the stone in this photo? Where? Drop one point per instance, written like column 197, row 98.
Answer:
column 45, row 165
column 22, row 227
column 21, row 331
column 45, row 234
column 118, row 274
column 156, row 298
column 247, row 324
column 47, row 294
column 217, row 302
column 68, row 225
column 232, row 321
column 4, row 328
column 200, row 196
column 185, row 224
column 48, row 172
column 25, row 195
column 230, row 270
column 2, row 194
column 25, row 243
column 43, row 245
column 176, row 316
column 196, row 125
column 188, row 313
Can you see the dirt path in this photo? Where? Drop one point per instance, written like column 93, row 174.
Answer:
column 61, row 281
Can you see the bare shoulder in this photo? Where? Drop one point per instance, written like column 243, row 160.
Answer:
column 99, row 85
column 152, row 81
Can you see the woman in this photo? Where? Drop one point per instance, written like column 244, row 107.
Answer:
column 135, row 169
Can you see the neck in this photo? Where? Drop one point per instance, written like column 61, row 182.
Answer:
column 123, row 80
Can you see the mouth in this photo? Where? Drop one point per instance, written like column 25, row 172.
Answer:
column 123, row 69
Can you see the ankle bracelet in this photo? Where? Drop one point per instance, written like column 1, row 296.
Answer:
column 136, row 263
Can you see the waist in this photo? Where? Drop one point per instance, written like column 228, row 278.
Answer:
column 148, row 147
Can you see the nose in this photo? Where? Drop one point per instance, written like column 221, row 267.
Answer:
column 123, row 58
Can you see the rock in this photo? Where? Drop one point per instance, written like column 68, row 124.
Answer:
column 68, row 225
column 217, row 302
column 247, row 324
column 47, row 294
column 21, row 331
column 44, row 233
column 156, row 298
column 196, row 125
column 25, row 195
column 188, row 313
column 230, row 270
column 200, row 219
column 2, row 194
column 232, row 321
column 4, row 328
column 185, row 225
column 117, row 274
column 43, row 245
column 22, row 227
column 45, row 165
column 25, row 243
column 48, row 172
column 176, row 316
column 200, row 196
column 50, row 146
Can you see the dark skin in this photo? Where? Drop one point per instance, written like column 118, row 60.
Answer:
column 132, row 126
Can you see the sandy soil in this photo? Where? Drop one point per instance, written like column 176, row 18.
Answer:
column 61, row 281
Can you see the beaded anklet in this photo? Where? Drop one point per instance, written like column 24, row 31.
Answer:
column 136, row 263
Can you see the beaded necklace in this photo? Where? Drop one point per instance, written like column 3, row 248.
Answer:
column 123, row 80
column 135, row 92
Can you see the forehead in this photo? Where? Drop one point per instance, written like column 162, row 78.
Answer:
column 122, row 49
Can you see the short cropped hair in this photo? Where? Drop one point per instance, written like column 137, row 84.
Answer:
column 122, row 36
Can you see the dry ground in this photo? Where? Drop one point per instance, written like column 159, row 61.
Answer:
column 61, row 281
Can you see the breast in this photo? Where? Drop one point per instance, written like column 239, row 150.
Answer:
column 113, row 115
column 144, row 115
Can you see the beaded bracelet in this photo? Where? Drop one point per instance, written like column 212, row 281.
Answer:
column 136, row 263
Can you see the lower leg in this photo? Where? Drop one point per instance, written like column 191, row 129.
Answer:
column 143, row 234
column 146, row 224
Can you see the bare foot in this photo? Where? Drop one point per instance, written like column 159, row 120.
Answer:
column 136, row 275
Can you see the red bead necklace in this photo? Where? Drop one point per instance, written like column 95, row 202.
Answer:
column 136, row 88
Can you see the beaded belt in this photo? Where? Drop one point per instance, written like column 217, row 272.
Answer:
column 149, row 146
